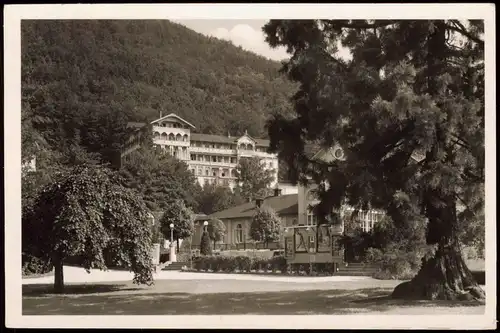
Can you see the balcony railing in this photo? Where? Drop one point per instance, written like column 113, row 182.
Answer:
column 221, row 151
column 160, row 141
column 211, row 163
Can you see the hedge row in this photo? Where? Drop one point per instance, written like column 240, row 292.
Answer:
column 245, row 264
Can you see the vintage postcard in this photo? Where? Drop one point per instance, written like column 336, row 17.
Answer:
column 250, row 166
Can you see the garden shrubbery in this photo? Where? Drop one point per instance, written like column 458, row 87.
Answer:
column 246, row 264
column 35, row 266
column 397, row 251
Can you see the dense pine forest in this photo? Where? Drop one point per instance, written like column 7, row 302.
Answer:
column 83, row 80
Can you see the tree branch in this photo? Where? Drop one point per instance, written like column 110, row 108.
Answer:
column 458, row 27
column 356, row 24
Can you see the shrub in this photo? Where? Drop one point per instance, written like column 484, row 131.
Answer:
column 243, row 263
column 259, row 264
column 164, row 257
column 221, row 263
column 356, row 244
column 35, row 266
column 205, row 246
column 278, row 263
column 239, row 263
column 397, row 261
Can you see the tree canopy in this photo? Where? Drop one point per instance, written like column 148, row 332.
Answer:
column 253, row 179
column 408, row 109
column 216, row 230
column 159, row 178
column 177, row 213
column 213, row 198
column 85, row 212
column 265, row 226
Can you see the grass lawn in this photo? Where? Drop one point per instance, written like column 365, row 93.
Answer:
column 229, row 297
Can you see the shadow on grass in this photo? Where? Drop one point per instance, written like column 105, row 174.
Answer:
column 339, row 301
column 47, row 290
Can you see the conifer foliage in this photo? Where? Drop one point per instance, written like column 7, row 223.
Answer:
column 408, row 109
column 205, row 248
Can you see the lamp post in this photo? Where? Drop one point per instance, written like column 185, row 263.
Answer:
column 171, row 233
column 205, row 224
column 173, row 257
column 310, row 250
column 156, row 245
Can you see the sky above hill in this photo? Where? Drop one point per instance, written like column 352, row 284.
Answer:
column 245, row 33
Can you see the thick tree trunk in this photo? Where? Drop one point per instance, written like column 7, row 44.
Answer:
column 443, row 277
column 58, row 276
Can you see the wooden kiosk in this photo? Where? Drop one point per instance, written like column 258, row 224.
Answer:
column 314, row 244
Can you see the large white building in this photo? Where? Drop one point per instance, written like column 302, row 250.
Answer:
column 211, row 158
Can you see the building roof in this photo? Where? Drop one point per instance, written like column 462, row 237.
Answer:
column 282, row 205
column 311, row 149
column 199, row 217
column 224, row 139
column 173, row 115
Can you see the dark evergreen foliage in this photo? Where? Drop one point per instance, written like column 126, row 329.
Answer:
column 408, row 109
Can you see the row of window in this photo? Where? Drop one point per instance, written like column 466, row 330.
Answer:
column 185, row 138
column 211, row 158
column 367, row 220
column 242, row 146
column 171, row 137
column 168, row 124
column 214, row 181
column 213, row 172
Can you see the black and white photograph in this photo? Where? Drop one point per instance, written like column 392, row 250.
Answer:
column 250, row 166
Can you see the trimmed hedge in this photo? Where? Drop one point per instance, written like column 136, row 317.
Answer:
column 245, row 264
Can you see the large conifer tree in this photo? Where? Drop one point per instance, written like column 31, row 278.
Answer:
column 408, row 109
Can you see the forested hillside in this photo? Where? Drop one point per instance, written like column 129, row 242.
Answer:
column 83, row 80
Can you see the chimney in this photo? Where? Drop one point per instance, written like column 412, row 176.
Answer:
column 277, row 192
column 258, row 202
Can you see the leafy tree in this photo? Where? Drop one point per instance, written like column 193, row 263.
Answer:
column 253, row 179
column 265, row 226
column 85, row 212
column 213, row 198
column 181, row 216
column 408, row 109
column 216, row 230
column 205, row 248
column 159, row 178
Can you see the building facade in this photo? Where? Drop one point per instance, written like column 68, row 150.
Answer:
column 301, row 238
column 211, row 158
